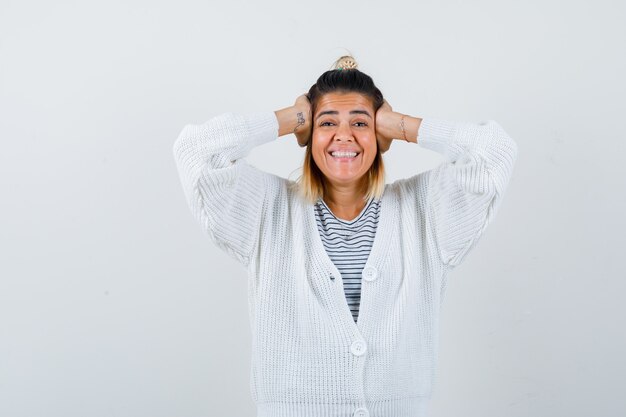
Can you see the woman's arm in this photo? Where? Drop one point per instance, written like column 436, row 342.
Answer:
column 462, row 194
column 224, row 192
column 465, row 192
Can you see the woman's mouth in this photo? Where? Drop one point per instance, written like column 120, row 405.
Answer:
column 341, row 156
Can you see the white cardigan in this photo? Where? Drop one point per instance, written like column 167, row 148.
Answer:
column 309, row 357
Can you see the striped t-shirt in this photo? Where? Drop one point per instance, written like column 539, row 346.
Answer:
column 348, row 244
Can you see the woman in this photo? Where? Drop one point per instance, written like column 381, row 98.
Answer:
column 325, row 343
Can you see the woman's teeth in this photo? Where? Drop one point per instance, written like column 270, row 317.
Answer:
column 343, row 154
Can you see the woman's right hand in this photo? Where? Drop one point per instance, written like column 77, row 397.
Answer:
column 304, row 128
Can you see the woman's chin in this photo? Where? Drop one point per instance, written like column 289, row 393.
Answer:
column 343, row 178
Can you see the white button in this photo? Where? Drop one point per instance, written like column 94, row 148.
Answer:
column 361, row 412
column 369, row 273
column 358, row 347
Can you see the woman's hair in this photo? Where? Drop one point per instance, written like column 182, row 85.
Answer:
column 343, row 78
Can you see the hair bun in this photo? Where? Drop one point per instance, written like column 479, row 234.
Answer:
column 346, row 62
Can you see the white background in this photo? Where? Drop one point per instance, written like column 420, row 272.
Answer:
column 114, row 303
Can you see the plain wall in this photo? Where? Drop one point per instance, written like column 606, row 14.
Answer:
column 114, row 303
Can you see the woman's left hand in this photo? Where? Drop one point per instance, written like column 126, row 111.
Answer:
column 384, row 119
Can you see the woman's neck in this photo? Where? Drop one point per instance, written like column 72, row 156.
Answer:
column 345, row 203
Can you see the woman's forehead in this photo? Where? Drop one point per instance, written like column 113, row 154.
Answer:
column 344, row 102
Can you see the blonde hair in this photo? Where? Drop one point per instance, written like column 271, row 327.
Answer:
column 344, row 78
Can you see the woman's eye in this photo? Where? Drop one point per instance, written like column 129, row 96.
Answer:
column 362, row 124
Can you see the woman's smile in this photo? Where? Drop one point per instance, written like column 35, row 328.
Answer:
column 344, row 157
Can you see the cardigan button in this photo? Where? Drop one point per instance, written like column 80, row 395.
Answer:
column 361, row 412
column 369, row 273
column 358, row 347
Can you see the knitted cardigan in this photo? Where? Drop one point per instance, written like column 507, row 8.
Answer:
column 309, row 357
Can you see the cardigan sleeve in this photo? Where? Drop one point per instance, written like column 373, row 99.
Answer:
column 225, row 193
column 463, row 193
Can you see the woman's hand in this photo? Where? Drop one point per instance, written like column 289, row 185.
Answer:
column 385, row 118
column 303, row 130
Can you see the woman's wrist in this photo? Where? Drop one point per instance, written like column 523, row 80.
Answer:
column 405, row 127
column 399, row 126
column 291, row 119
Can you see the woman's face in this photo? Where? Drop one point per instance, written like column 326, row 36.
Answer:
column 344, row 122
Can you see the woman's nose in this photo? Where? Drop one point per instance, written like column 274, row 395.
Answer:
column 343, row 132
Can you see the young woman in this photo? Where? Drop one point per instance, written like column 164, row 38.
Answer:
column 346, row 273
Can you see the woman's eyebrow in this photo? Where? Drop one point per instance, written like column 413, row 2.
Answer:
column 336, row 112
